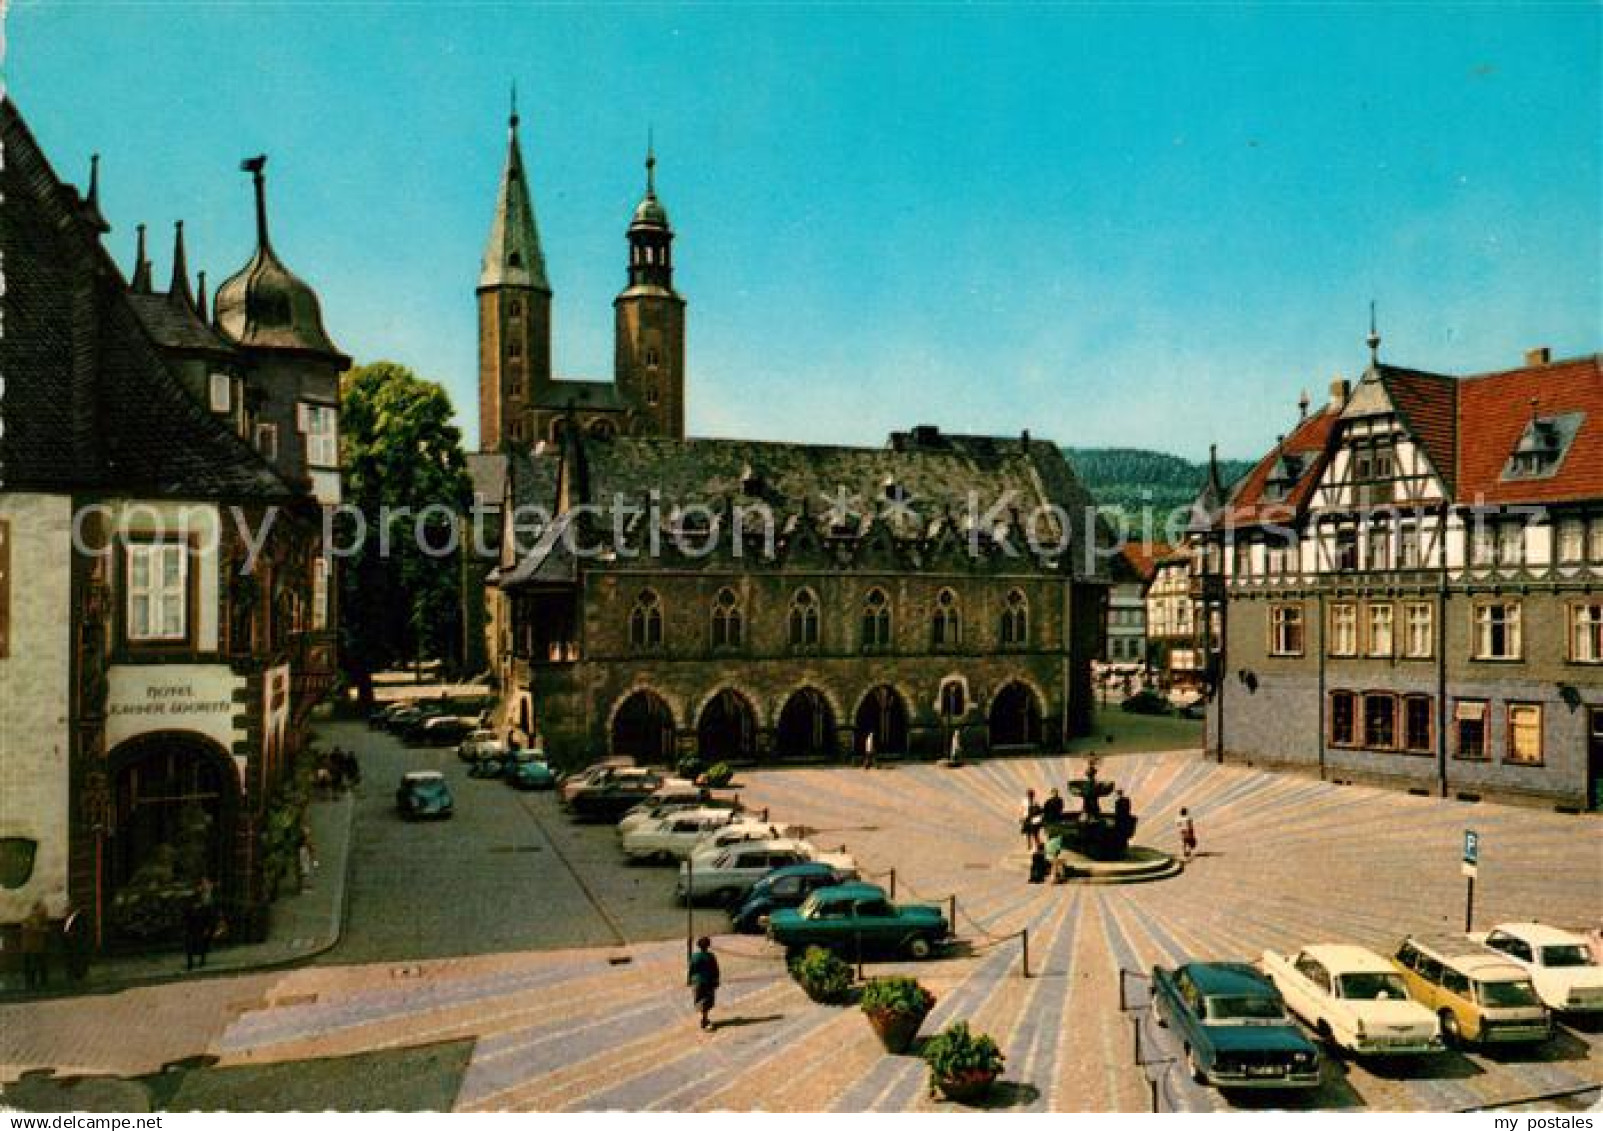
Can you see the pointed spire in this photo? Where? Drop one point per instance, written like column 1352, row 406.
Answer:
column 256, row 167
column 140, row 284
column 1215, row 480
column 1374, row 337
column 512, row 254
column 200, row 296
column 179, row 287
column 92, row 197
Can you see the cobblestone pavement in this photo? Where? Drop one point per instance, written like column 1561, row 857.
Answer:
column 1286, row 861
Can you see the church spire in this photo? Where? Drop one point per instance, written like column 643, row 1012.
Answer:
column 179, row 287
column 140, row 284
column 512, row 255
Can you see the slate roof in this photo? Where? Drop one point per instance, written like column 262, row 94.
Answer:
column 488, row 473
column 173, row 324
column 126, row 426
column 602, row 395
column 917, row 490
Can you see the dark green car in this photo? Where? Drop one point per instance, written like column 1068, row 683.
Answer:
column 852, row 916
column 529, row 773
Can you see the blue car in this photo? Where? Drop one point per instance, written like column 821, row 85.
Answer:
column 1233, row 1027
column 783, row 887
column 529, row 773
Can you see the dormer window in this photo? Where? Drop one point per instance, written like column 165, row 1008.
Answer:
column 222, row 392
column 1542, row 446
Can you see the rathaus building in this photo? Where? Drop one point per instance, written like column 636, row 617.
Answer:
column 658, row 595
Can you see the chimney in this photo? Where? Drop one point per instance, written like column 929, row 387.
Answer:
column 1339, row 388
column 1541, row 355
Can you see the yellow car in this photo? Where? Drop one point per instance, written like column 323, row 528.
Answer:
column 1479, row 995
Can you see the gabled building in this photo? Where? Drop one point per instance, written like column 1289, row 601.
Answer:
column 1130, row 574
column 164, row 609
column 1411, row 587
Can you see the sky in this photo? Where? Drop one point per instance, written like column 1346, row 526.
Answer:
column 1146, row 225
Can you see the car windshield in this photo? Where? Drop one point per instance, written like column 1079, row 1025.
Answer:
column 1373, row 986
column 1244, row 1007
column 1511, row 993
column 429, row 789
column 1566, row 954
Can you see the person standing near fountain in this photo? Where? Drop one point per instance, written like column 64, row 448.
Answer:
column 1187, row 828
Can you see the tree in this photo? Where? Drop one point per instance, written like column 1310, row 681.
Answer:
column 406, row 476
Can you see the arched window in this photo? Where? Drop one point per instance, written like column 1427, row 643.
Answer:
column 876, row 621
column 645, row 621
column 603, row 429
column 953, row 700
column 804, row 619
column 515, row 308
column 727, row 621
column 946, row 626
column 1015, row 620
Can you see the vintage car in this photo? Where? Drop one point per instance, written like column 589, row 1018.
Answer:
column 739, row 831
column 1479, row 995
column 423, row 793
column 1354, row 999
column 609, row 796
column 478, row 744
column 593, row 774
column 669, row 801
column 673, row 836
column 858, row 918
column 1233, row 1028
column 783, row 887
column 728, row 876
column 1559, row 963
column 528, row 772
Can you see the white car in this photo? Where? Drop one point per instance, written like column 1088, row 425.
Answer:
column 1354, row 999
column 1560, row 963
column 670, row 799
column 479, row 744
column 738, row 831
column 730, row 874
column 673, row 835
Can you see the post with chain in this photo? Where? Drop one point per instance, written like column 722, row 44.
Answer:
column 1024, row 937
column 951, row 911
column 893, row 883
column 690, row 906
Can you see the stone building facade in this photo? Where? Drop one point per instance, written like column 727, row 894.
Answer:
column 1411, row 587
column 165, row 609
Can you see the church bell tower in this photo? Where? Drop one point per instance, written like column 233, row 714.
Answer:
column 649, row 358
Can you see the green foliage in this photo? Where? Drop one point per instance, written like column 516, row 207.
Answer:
column 281, row 827
column 691, row 767
column 897, row 994
column 823, row 975
column 720, row 774
column 1132, row 484
column 956, row 1054
column 399, row 451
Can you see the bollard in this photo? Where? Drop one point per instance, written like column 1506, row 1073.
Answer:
column 893, row 883
column 1025, row 936
column 859, row 937
column 951, row 917
column 1152, row 1086
column 1135, row 1033
column 690, row 906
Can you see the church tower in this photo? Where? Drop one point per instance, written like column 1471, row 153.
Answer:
column 649, row 359
column 514, row 312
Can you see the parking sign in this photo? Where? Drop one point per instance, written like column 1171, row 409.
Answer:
column 1472, row 852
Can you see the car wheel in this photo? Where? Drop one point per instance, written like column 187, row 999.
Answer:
column 920, row 948
column 1194, row 1068
column 1452, row 1035
column 726, row 897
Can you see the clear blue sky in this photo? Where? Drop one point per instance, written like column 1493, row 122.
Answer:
column 1112, row 225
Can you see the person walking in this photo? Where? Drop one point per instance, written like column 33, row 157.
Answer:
column 954, row 757
column 305, row 858
column 1052, row 809
column 200, row 923
column 1030, row 820
column 703, row 979
column 36, row 948
column 868, row 751
column 1187, row 828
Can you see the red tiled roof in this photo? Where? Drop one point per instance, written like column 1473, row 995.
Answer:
column 1494, row 411
column 1311, row 440
column 1428, row 404
column 1143, row 557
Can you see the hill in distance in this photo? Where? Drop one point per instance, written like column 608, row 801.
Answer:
column 1127, row 481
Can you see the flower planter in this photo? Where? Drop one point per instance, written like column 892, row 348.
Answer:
column 966, row 1087
column 895, row 1030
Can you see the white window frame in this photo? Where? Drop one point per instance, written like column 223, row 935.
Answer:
column 1586, row 632
column 1287, row 630
column 1572, row 541
column 1419, row 630
column 1380, row 629
column 157, row 593
column 1594, row 541
column 1343, row 629
column 320, row 423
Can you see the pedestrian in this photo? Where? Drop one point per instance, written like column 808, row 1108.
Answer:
column 1187, row 828
column 36, row 948
column 868, row 751
column 1052, row 809
column 200, row 924
column 1030, row 820
column 305, row 858
column 75, row 943
column 1040, row 868
column 703, row 979
column 954, row 757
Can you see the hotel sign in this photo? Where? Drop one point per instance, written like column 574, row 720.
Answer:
column 190, row 697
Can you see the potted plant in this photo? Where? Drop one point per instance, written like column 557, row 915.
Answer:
column 823, row 975
column 719, row 774
column 963, row 1066
column 896, row 1007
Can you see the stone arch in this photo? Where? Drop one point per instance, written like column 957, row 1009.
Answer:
column 642, row 725
column 940, row 703
column 883, row 712
column 1015, row 715
column 726, row 727
column 805, row 725
column 175, row 813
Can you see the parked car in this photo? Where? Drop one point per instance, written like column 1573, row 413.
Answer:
column 1233, row 1028
column 1559, row 963
column 379, row 717
column 401, row 715
column 444, row 730
column 1354, row 999
column 1146, row 702
column 858, row 917
column 673, row 836
column 529, row 773
column 1479, row 995
column 739, row 831
column 663, row 803
column 411, row 728
column 612, row 795
column 783, row 887
column 727, row 877
column 478, row 744
column 592, row 774
column 423, row 793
